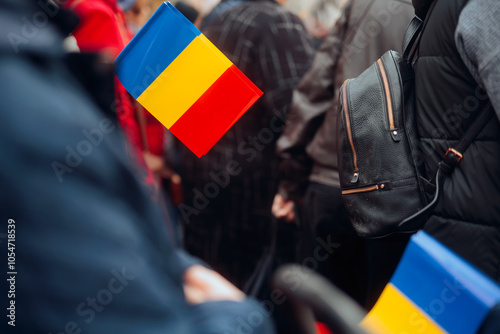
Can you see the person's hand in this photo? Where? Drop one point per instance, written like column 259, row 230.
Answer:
column 203, row 285
column 157, row 165
column 154, row 162
column 283, row 209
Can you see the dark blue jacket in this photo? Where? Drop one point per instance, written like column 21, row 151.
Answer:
column 93, row 254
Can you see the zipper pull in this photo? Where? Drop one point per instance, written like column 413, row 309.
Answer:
column 355, row 177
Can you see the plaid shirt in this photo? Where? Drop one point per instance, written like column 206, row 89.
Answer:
column 271, row 46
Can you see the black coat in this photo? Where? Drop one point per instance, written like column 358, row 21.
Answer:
column 467, row 218
column 227, row 223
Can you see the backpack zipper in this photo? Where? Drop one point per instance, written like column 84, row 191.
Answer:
column 387, row 94
column 382, row 186
column 355, row 176
column 362, row 190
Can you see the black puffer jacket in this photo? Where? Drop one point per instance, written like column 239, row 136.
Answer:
column 467, row 218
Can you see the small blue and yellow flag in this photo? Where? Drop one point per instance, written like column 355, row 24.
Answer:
column 183, row 80
column 433, row 291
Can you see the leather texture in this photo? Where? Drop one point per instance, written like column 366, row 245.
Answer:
column 387, row 159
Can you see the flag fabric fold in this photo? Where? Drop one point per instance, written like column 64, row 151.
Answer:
column 183, row 80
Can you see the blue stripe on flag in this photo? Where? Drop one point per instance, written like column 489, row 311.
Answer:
column 166, row 34
column 447, row 288
column 183, row 18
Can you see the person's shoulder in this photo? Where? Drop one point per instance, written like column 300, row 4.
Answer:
column 478, row 21
column 257, row 17
column 475, row 9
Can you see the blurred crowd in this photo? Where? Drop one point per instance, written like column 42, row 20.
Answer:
column 135, row 214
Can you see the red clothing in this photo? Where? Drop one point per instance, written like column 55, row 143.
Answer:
column 102, row 28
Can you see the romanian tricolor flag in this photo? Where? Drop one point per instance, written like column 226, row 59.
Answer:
column 183, row 80
column 433, row 291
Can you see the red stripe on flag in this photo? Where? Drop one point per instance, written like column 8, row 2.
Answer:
column 209, row 118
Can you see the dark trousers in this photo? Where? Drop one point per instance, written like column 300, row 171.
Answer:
column 358, row 266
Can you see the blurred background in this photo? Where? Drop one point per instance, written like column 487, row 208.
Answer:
column 318, row 15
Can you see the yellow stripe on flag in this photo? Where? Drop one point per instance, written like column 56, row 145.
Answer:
column 399, row 315
column 183, row 82
column 212, row 47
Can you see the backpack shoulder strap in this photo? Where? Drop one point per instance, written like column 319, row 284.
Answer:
column 411, row 39
column 411, row 35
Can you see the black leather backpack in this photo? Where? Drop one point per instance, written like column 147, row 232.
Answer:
column 381, row 170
